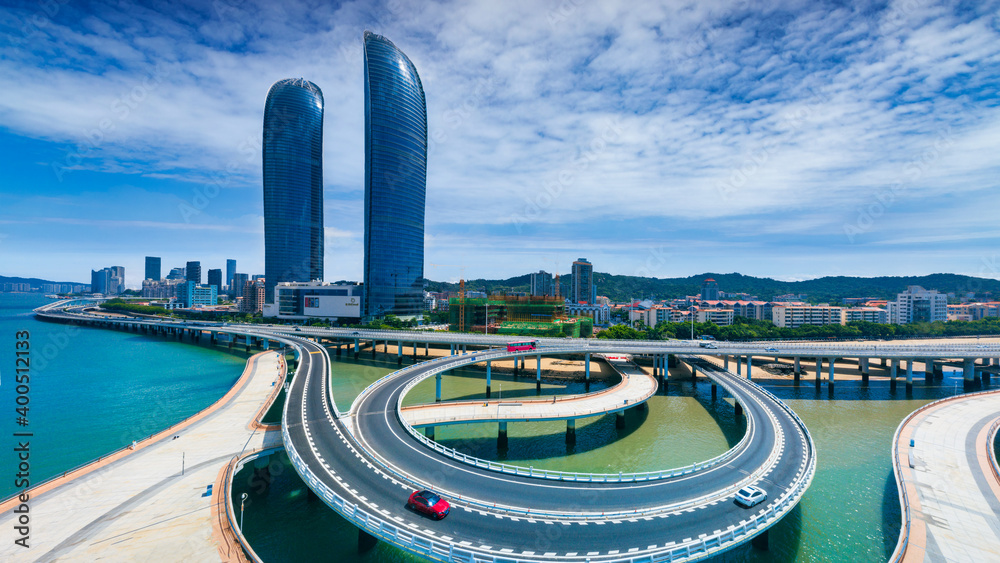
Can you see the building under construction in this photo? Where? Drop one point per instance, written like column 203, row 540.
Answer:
column 523, row 315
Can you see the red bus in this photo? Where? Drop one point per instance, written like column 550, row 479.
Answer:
column 522, row 345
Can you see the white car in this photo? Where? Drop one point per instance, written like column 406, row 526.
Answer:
column 750, row 496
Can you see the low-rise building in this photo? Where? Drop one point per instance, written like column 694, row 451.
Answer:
column 192, row 295
column 794, row 316
column 601, row 314
column 867, row 314
column 311, row 300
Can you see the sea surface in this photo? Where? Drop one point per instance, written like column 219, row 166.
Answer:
column 93, row 391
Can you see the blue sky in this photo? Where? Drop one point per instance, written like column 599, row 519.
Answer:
column 782, row 139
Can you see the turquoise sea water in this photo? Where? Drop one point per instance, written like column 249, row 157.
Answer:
column 93, row 391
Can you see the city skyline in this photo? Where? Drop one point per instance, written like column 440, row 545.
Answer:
column 791, row 142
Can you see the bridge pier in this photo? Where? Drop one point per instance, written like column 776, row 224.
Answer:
column 586, row 370
column 725, row 362
column 739, row 365
column 928, row 370
column 489, row 374
column 451, row 350
column 893, row 365
column 357, row 346
column 366, row 541
column 830, row 376
column 938, row 371
column 502, row 436
column 968, row 375
column 739, row 411
column 819, row 373
column 798, row 370
column 538, row 374
column 760, row 541
column 414, row 351
column 427, row 349
column 340, row 346
column 437, row 388
column 571, row 431
column 909, row 376
column 714, row 390
column 620, row 419
column 750, row 368
column 694, row 373
column 429, row 432
column 399, row 353
column 374, row 346
column 863, row 364
column 214, row 337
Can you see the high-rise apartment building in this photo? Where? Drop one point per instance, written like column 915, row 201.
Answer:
column 236, row 286
column 177, row 274
column 192, row 272
column 917, row 304
column 230, row 272
column 541, row 284
column 293, row 183
column 215, row 278
column 709, row 290
column 152, row 268
column 583, row 282
column 395, row 180
column 108, row 281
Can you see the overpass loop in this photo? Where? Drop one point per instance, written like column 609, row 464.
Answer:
column 341, row 468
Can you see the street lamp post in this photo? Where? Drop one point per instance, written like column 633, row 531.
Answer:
column 692, row 322
column 243, row 500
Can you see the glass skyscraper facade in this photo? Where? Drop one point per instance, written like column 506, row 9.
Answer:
column 293, row 184
column 395, row 180
column 152, row 268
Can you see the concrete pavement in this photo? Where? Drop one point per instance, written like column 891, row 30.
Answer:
column 950, row 485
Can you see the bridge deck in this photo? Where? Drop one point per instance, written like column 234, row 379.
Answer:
column 636, row 386
column 953, row 493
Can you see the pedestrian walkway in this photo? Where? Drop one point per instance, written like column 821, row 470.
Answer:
column 155, row 500
column 951, row 488
column 634, row 389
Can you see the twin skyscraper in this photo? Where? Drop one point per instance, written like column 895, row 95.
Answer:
column 395, row 182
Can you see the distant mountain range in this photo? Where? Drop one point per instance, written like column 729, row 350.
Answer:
column 37, row 281
column 821, row 290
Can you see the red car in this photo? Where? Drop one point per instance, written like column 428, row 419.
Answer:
column 429, row 503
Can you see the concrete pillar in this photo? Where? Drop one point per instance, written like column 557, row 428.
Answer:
column 620, row 419
column 739, row 365
column 928, row 370
column 429, row 432
column 714, row 389
column 725, row 362
column 893, row 365
column 829, row 376
column 452, row 353
column 374, row 346
column 489, row 375
column 427, row 349
column 399, row 352
column 437, row 387
column 694, row 373
column 739, row 411
column 464, row 350
column 819, row 373
column 798, row 368
column 571, row 431
column 414, row 351
column 340, row 348
column 863, row 364
column 969, row 375
column 356, row 348
column 502, row 436
column 909, row 375
column 586, row 369
column 538, row 373
column 750, row 368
